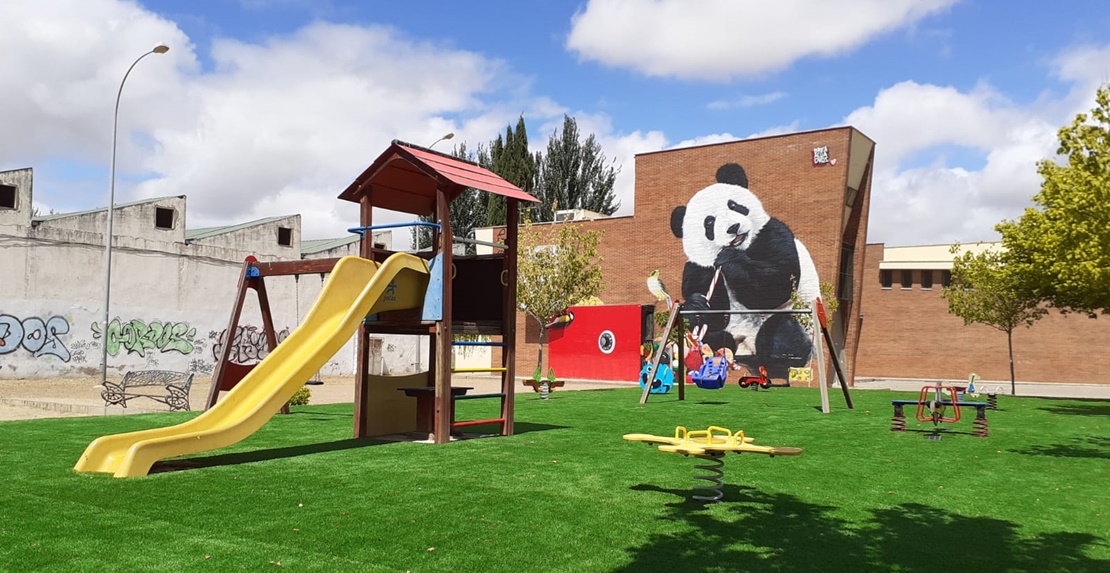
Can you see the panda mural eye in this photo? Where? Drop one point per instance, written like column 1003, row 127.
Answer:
column 734, row 206
column 710, row 222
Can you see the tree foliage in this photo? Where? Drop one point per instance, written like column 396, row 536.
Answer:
column 556, row 269
column 509, row 158
column 1061, row 249
column 985, row 289
column 574, row 174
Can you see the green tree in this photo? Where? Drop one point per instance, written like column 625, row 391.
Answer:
column 1061, row 249
column 509, row 158
column 556, row 269
column 985, row 290
column 574, row 174
column 467, row 211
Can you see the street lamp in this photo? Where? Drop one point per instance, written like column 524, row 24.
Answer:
column 159, row 49
column 449, row 135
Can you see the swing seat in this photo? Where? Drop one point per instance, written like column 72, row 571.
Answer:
column 712, row 374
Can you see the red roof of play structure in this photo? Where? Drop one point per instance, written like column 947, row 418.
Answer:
column 405, row 177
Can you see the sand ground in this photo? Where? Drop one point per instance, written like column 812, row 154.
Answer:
column 58, row 397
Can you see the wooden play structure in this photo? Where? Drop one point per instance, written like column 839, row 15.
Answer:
column 415, row 180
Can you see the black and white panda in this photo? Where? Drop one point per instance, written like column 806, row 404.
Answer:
column 761, row 262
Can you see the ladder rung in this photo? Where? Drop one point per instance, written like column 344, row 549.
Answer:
column 470, row 370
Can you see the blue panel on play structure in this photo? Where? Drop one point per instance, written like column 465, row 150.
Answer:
column 433, row 297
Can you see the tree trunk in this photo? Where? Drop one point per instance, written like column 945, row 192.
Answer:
column 1010, row 344
column 542, row 344
column 545, row 388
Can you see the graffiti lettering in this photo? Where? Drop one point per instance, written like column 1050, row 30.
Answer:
column 35, row 335
column 137, row 336
column 247, row 347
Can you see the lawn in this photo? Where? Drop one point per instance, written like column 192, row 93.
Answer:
column 568, row 494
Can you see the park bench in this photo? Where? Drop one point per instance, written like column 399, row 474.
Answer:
column 165, row 386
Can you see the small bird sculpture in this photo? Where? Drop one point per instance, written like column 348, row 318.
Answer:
column 657, row 288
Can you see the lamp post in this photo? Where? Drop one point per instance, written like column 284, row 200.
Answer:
column 447, row 136
column 159, row 49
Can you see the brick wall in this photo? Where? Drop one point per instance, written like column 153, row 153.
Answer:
column 781, row 172
column 909, row 334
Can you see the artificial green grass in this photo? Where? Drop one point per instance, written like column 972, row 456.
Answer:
column 567, row 494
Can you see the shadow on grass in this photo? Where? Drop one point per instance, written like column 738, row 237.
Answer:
column 940, row 432
column 1088, row 407
column 261, row 455
column 518, row 428
column 1085, row 447
column 758, row 531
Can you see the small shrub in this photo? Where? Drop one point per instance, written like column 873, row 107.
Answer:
column 300, row 398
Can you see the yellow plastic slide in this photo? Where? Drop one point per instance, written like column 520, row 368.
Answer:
column 356, row 287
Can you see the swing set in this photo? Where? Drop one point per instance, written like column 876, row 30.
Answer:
column 714, row 370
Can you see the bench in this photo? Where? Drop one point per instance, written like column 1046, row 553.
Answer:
column 979, row 426
column 537, row 385
column 165, row 386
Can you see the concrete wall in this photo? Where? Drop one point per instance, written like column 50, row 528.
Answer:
column 171, row 299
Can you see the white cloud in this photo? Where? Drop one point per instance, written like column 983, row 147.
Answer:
column 276, row 127
column 723, row 39
column 943, row 202
column 64, row 61
column 746, row 101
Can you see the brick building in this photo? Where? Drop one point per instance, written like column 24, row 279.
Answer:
column 908, row 333
column 817, row 183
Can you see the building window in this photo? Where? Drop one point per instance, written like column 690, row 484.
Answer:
column 8, row 193
column 945, row 278
column 926, row 280
column 285, row 236
column 847, row 264
column 907, row 279
column 886, row 278
column 163, row 218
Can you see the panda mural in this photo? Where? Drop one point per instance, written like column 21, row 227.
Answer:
column 724, row 226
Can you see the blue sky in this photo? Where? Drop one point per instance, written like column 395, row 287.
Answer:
column 271, row 107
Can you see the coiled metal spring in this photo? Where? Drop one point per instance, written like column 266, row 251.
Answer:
column 898, row 424
column 712, row 473
column 980, row 428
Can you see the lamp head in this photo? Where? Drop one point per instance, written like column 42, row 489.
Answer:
column 449, row 135
column 161, row 49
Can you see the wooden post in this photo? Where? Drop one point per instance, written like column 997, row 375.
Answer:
column 821, row 380
column 222, row 360
column 659, row 353
column 443, row 326
column 508, row 319
column 362, row 377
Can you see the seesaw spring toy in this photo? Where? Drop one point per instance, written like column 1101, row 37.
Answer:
column 710, row 446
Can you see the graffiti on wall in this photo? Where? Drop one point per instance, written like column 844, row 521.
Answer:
column 248, row 346
column 35, row 335
column 740, row 258
column 137, row 336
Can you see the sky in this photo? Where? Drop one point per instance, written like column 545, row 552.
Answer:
column 272, row 107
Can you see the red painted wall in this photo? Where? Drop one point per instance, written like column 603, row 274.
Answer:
column 576, row 349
